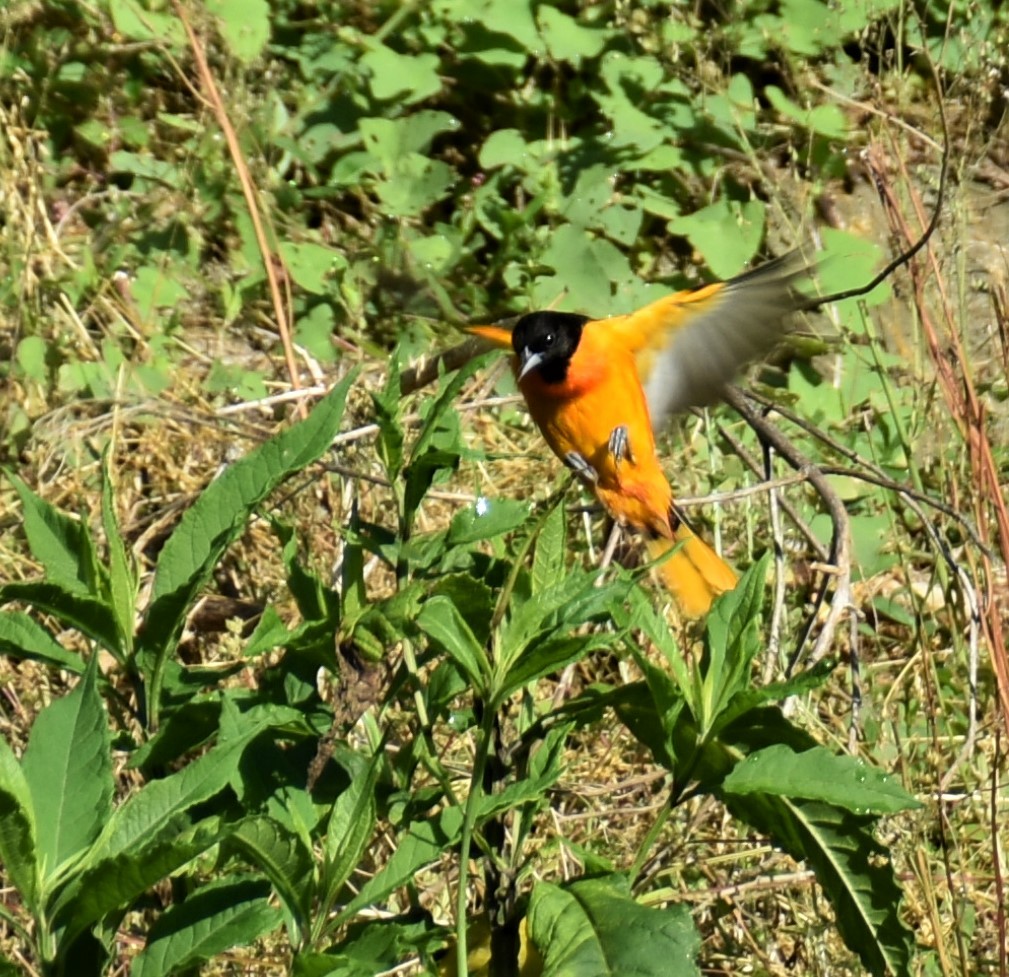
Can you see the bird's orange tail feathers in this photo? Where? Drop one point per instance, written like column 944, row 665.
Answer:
column 695, row 574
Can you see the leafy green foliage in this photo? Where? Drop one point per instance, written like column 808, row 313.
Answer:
column 416, row 164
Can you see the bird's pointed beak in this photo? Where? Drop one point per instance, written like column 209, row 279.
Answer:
column 529, row 361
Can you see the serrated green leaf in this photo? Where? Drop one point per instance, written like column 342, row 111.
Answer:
column 218, row 916
column 68, row 767
column 595, row 927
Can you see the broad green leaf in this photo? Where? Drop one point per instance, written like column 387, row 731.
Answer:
column 440, row 620
column 218, row 916
column 19, row 852
column 566, row 39
column 586, row 270
column 419, row 845
column 594, row 927
column 68, row 766
column 819, row 775
column 89, row 615
column 394, row 140
column 485, row 519
column 727, row 233
column 311, row 265
column 282, row 857
column 407, row 78
column 223, row 507
column 244, row 25
column 134, row 21
column 416, row 184
column 60, row 543
column 22, row 636
column 504, row 147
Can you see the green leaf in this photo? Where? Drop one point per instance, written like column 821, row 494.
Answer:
column 594, row 927
column 504, row 147
column 819, row 775
column 727, row 233
column 440, row 620
column 551, row 547
column 134, row 21
column 220, row 915
column 566, row 39
column 858, row 877
column 68, row 766
column 19, row 852
column 115, row 882
column 541, row 658
column 586, row 269
column 407, row 78
column 61, row 544
column 218, row 517
column 731, row 643
column 156, row 807
column 282, row 857
column 485, row 519
column 419, row 845
column 122, row 579
column 23, row 637
column 352, row 821
column 91, row 616
column 244, row 25
column 393, row 140
column 312, row 264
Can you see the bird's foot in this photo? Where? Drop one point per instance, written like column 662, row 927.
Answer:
column 620, row 445
column 577, row 463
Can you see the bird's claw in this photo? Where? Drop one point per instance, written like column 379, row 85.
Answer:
column 620, row 444
column 581, row 467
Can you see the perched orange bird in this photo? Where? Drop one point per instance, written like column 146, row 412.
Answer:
column 582, row 381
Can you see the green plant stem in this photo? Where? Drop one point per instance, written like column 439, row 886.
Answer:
column 466, row 841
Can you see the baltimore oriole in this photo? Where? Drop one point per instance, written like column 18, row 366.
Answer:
column 582, row 382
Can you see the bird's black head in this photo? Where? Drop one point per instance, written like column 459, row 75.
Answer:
column 546, row 341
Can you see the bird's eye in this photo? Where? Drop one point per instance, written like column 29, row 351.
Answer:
column 548, row 339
